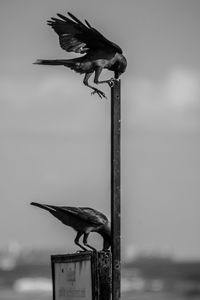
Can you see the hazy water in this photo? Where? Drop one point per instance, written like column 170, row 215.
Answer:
column 12, row 295
column 34, row 284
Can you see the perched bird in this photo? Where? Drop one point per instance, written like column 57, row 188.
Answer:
column 100, row 53
column 82, row 219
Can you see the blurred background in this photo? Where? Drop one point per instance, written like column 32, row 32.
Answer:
column 55, row 144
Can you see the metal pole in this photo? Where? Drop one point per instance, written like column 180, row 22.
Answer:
column 115, row 189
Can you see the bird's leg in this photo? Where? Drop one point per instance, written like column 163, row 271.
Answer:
column 95, row 90
column 97, row 81
column 76, row 241
column 85, row 237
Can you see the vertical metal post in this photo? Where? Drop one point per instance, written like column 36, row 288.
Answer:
column 115, row 189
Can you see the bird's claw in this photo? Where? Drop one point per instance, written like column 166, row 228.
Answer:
column 99, row 93
column 111, row 82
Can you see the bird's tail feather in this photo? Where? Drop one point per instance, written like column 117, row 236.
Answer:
column 74, row 64
column 43, row 206
column 52, row 62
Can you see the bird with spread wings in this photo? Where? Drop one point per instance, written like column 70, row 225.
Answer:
column 99, row 52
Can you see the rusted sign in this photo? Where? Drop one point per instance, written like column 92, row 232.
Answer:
column 74, row 276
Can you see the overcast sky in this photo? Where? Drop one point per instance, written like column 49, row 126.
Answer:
column 55, row 136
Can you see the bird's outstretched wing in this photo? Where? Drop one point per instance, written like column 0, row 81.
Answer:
column 75, row 36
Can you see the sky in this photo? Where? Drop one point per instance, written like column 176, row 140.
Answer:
column 55, row 136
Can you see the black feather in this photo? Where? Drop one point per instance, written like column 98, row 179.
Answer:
column 88, row 24
column 75, row 19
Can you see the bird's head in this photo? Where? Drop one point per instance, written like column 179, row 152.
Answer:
column 106, row 244
column 106, row 234
column 120, row 66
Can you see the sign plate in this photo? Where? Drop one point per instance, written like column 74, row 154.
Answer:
column 73, row 276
